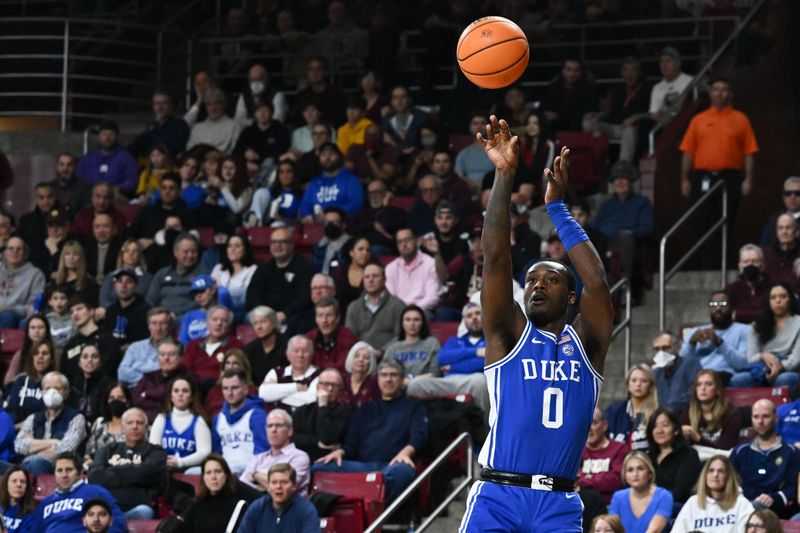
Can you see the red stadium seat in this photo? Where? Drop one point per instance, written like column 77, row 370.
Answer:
column 259, row 239
column 45, row 486
column 443, row 330
column 790, row 527
column 10, row 343
column 245, row 333
column 459, row 141
column 142, row 526
column 368, row 486
column 746, row 397
column 206, row 237
column 307, row 236
column 194, row 480
column 129, row 211
column 587, row 159
column 349, row 516
column 386, row 259
column 327, row 524
column 403, row 202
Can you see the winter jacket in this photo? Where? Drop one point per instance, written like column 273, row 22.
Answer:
column 133, row 475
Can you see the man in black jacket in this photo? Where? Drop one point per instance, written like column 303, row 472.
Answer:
column 133, row 470
column 126, row 318
column 151, row 218
column 321, row 426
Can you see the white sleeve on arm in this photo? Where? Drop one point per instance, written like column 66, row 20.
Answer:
column 273, row 392
column 157, row 429
column 202, row 436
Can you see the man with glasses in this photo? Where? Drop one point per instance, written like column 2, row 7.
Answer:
column 791, row 205
column 281, row 450
column 412, row 276
column 720, row 346
column 383, row 435
column 674, row 375
column 20, row 282
column 321, row 426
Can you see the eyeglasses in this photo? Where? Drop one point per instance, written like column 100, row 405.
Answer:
column 330, row 384
column 750, row 525
column 718, row 304
column 791, row 193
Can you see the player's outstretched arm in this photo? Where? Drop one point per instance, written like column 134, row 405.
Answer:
column 503, row 320
column 596, row 320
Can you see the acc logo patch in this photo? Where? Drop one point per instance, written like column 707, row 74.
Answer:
column 567, row 350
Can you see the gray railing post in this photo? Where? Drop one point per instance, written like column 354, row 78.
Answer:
column 65, row 77
column 724, row 262
column 188, row 95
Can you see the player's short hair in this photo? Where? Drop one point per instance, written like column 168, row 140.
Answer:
column 571, row 283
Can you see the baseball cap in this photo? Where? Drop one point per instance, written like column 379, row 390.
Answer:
column 57, row 217
column 96, row 501
column 109, row 125
column 126, row 272
column 623, row 169
column 202, row 282
column 670, row 51
column 330, row 146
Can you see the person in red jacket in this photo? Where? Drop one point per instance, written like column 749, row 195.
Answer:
column 204, row 356
column 331, row 339
column 602, row 459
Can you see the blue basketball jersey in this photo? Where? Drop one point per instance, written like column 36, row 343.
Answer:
column 180, row 444
column 542, row 397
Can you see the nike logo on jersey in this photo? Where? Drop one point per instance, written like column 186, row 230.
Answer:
column 537, row 341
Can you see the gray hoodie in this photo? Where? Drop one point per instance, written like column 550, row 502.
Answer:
column 421, row 357
column 18, row 288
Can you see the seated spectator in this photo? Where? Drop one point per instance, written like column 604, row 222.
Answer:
column 673, row 374
column 59, row 428
column 33, row 224
column 322, row 93
column 472, row 163
column 21, row 282
column 569, row 97
column 764, row 520
column 126, row 318
column 402, row 124
column 194, row 324
column 321, row 426
column 461, row 361
column 141, row 356
column 454, row 188
column 133, row 470
column 383, row 435
column 779, row 258
column 294, row 385
column 180, row 429
column 415, row 348
column 335, row 186
column 360, row 385
column 752, row 286
column 720, row 346
column 203, row 355
column 282, row 505
column 331, row 338
column 161, row 253
column 710, row 423
column 58, row 317
column 327, row 253
column 601, row 463
column 102, row 201
column 45, row 254
column 25, row 397
column 159, row 163
column 152, row 216
column 374, row 158
column 281, row 450
column 237, row 432
column 152, row 391
column 171, row 286
column 412, row 276
column 348, row 275
column 90, row 385
column 36, row 330
column 773, row 345
column 677, row 464
column 374, row 317
column 102, row 251
column 218, row 129
column 217, row 501
column 107, row 428
column 71, row 191
column 130, row 257
column 234, row 272
column 235, row 360
column 788, row 424
column 626, row 220
column 665, row 94
column 346, row 44
column 97, row 516
column 627, row 419
column 420, row 217
column 372, row 91
column 282, row 282
column 604, row 523
column 718, row 505
column 201, row 81
column 308, row 163
column 73, row 275
column 379, row 221
column 351, row 133
column 302, row 137
column 653, row 502
column 280, row 202
column 232, row 189
column 265, row 139
column 767, row 466
column 110, row 162
column 258, row 88
column 268, row 349
column 305, row 319
column 192, row 192
column 791, row 206
column 17, row 505
column 166, row 129
column 64, row 509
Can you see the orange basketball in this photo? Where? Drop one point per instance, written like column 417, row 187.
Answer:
column 492, row 52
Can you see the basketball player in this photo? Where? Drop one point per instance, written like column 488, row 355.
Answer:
column 543, row 375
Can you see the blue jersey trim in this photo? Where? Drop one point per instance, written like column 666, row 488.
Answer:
column 513, row 352
column 586, row 360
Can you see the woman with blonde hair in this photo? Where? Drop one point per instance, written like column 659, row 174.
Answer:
column 718, row 503
column 642, row 507
column 72, row 273
column 627, row 419
column 130, row 256
column 710, row 423
column 606, row 523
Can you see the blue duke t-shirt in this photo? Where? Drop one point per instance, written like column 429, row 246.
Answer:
column 661, row 504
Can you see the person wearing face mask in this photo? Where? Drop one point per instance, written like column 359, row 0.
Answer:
column 373, row 159
column 59, row 428
column 107, row 428
column 674, row 374
column 336, row 186
column 472, row 163
column 326, row 254
column 751, row 288
column 258, row 87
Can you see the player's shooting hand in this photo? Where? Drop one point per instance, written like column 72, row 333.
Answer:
column 501, row 147
column 557, row 178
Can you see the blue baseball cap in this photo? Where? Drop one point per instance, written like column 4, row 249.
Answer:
column 202, row 282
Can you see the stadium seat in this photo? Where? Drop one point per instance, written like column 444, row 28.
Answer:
column 327, row 524
column 386, row 259
column 142, row 526
column 45, row 486
column 443, row 330
column 259, row 239
column 206, row 237
column 588, row 155
column 349, row 515
column 10, row 343
column 194, row 480
column 459, row 141
column 790, row 527
column 368, row 486
column 245, row 333
column 403, row 202
column 129, row 211
column 746, row 397
column 306, row 238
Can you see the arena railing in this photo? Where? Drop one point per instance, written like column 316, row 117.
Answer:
column 464, row 439
column 626, row 323
column 663, row 275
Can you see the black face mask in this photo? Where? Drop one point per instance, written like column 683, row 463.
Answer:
column 332, row 231
column 751, row 272
column 117, row 407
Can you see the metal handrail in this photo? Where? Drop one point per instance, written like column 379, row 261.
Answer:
column 626, row 322
column 440, row 459
column 700, row 76
column 665, row 276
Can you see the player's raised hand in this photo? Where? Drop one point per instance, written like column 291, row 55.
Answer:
column 501, row 147
column 557, row 178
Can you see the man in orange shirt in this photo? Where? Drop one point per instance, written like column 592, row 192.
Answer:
column 718, row 144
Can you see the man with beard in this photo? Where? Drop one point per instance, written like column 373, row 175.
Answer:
column 336, row 186
column 379, row 221
column 721, row 345
column 70, row 191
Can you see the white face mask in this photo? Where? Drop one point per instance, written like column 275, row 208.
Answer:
column 52, row 398
column 663, row 359
column 256, row 87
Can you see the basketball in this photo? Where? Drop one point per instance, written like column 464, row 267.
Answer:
column 492, row 52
